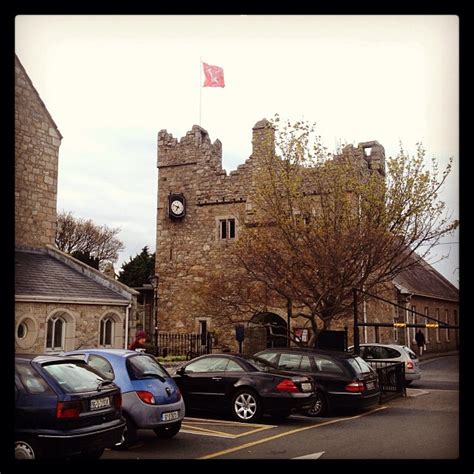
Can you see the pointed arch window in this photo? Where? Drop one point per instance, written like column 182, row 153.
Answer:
column 55, row 333
column 106, row 332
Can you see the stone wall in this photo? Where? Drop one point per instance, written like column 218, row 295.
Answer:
column 437, row 340
column 188, row 248
column 82, row 324
column 37, row 142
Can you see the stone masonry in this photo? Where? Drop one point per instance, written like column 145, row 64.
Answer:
column 37, row 141
column 188, row 248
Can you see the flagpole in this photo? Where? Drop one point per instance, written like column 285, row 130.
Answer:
column 200, row 89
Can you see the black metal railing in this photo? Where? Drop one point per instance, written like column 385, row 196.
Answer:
column 190, row 345
column 391, row 379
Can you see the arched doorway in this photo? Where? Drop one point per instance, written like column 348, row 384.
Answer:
column 276, row 328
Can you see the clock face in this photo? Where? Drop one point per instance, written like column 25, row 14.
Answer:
column 177, row 207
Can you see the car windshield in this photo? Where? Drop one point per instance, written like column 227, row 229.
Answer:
column 143, row 366
column 261, row 364
column 74, row 377
column 360, row 365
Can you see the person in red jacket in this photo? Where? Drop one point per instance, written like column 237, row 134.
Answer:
column 139, row 342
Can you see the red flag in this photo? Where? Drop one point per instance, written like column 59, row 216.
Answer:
column 214, row 76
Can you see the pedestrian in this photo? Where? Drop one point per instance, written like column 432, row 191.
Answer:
column 139, row 342
column 420, row 341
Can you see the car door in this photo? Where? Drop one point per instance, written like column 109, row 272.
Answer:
column 233, row 373
column 203, row 383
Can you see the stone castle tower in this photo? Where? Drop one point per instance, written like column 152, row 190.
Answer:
column 188, row 247
column 37, row 141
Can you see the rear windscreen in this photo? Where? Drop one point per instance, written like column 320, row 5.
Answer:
column 74, row 377
column 143, row 366
column 32, row 381
column 360, row 365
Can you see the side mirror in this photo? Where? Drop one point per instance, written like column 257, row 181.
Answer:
column 180, row 371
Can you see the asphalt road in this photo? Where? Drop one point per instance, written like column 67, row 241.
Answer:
column 423, row 425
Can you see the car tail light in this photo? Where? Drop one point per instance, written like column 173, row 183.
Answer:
column 146, row 397
column 287, row 385
column 118, row 401
column 355, row 386
column 409, row 364
column 68, row 409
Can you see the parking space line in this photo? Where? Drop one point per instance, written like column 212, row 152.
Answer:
column 286, row 433
column 209, row 421
column 217, row 434
column 194, row 426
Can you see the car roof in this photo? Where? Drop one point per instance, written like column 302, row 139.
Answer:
column 382, row 345
column 40, row 358
column 99, row 351
column 311, row 350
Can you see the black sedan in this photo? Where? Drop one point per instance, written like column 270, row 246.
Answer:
column 341, row 380
column 245, row 386
column 64, row 408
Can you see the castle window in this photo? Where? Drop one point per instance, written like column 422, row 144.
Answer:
column 227, row 229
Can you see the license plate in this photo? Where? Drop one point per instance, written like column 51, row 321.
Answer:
column 170, row 415
column 370, row 385
column 98, row 403
column 306, row 387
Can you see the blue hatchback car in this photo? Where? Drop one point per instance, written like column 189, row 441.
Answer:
column 150, row 396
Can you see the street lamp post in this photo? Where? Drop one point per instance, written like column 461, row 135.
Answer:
column 153, row 279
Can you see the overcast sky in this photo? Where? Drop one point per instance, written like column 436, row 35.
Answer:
column 112, row 82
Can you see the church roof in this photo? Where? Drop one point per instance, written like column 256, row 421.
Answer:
column 422, row 279
column 41, row 275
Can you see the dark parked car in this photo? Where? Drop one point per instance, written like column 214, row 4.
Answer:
column 150, row 396
column 341, row 380
column 245, row 386
column 64, row 408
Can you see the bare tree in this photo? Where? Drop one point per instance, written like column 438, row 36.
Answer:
column 93, row 244
column 325, row 224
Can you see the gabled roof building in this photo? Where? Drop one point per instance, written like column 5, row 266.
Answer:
column 60, row 303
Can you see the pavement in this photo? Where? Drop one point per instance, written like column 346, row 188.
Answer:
column 435, row 355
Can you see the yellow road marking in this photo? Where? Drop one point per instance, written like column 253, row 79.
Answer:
column 194, row 426
column 202, row 433
column 286, row 433
column 206, row 430
column 209, row 421
column 256, row 430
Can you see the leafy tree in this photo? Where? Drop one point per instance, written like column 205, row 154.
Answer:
column 92, row 244
column 138, row 269
column 324, row 224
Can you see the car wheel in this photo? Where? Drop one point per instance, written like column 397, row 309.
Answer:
column 320, row 406
column 26, row 449
column 246, row 406
column 129, row 436
column 167, row 431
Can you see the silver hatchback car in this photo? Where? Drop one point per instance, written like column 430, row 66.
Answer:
column 376, row 352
